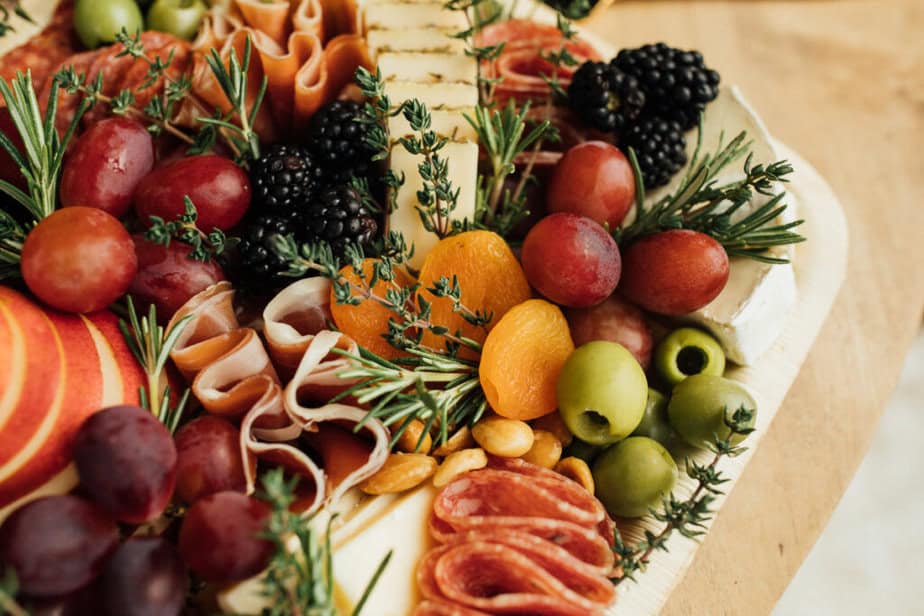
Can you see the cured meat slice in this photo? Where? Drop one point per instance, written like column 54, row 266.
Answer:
column 44, row 51
column 432, row 607
column 270, row 18
column 321, row 20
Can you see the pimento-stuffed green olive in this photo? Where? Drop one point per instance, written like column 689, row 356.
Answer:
column 180, row 18
column 633, row 476
column 601, row 392
column 701, row 404
column 687, row 351
column 97, row 22
column 654, row 422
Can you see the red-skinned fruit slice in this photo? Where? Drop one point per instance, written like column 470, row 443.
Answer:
column 57, row 544
column 130, row 439
column 674, row 272
column 218, row 188
column 106, row 165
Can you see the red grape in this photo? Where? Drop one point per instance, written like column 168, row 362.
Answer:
column 126, row 460
column 219, row 189
column 593, row 179
column 571, row 260
column 219, row 539
column 144, row 577
column 78, row 259
column 674, row 272
column 167, row 277
column 615, row 320
column 209, row 458
column 57, row 544
column 106, row 164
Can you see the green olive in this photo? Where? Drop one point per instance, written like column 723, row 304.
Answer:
column 687, row 351
column 602, row 392
column 97, row 22
column 701, row 405
column 654, row 422
column 579, row 449
column 180, row 18
column 633, row 476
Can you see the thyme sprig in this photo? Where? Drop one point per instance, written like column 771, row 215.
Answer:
column 39, row 162
column 478, row 15
column 702, row 204
column 9, row 588
column 151, row 344
column 689, row 516
column 376, row 111
column 8, row 8
column 300, row 582
column 205, row 246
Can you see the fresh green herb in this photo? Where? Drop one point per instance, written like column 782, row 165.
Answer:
column 434, row 385
column 300, row 581
column 478, row 15
column 375, row 114
column 205, row 246
column 690, row 516
column 573, row 9
column 39, row 162
column 9, row 587
column 8, row 8
column 702, row 204
column 241, row 137
column 151, row 346
column 502, row 135
column 560, row 57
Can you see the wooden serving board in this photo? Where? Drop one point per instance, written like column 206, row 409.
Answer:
column 820, row 266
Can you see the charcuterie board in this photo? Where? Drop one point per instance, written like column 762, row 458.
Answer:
column 767, row 335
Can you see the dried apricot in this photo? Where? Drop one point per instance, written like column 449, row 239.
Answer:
column 489, row 276
column 367, row 322
column 521, row 359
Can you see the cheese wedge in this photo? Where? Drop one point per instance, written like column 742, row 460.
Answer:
column 463, row 173
column 425, row 67
column 395, row 16
column 413, row 39
column 449, row 123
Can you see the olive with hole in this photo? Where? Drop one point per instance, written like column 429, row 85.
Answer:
column 633, row 476
column 700, row 405
column 654, row 422
column 601, row 392
column 687, row 351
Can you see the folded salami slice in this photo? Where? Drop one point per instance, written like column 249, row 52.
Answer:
column 432, row 607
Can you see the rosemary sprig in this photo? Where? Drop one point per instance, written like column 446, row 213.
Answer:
column 205, row 246
column 300, row 582
column 690, row 516
column 9, row 587
column 151, row 346
column 8, row 8
column 702, row 204
column 241, row 137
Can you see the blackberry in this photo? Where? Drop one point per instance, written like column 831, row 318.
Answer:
column 677, row 83
column 284, row 178
column 338, row 217
column 605, row 97
column 660, row 148
column 257, row 265
column 339, row 142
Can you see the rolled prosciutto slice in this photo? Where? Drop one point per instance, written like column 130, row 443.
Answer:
column 517, row 539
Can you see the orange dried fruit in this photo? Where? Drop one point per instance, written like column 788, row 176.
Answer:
column 490, row 278
column 368, row 321
column 521, row 360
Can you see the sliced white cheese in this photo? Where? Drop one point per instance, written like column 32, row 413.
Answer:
column 425, row 67
column 463, row 173
column 450, row 123
column 413, row 39
column 433, row 95
column 396, row 16
column 403, row 529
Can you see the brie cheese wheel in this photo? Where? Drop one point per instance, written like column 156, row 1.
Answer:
column 426, row 67
column 413, row 39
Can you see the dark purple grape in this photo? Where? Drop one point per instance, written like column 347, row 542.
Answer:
column 126, row 460
column 219, row 539
column 144, row 577
column 210, row 460
column 57, row 544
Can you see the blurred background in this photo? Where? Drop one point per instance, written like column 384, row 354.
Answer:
column 869, row 558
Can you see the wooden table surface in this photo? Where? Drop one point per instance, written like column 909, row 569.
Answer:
column 841, row 82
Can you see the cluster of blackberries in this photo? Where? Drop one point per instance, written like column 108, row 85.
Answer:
column 649, row 96
column 306, row 191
